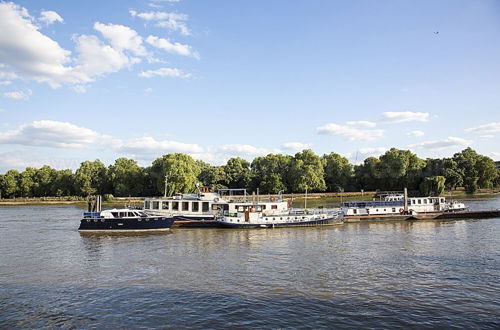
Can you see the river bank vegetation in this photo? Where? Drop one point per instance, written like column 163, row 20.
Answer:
column 271, row 174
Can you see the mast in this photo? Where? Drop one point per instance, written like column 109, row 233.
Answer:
column 305, row 201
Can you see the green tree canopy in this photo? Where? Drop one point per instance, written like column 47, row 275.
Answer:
column 182, row 173
column 270, row 173
column 10, row 184
column 306, row 172
column 338, row 172
column 91, row 178
column 432, row 186
column 399, row 169
column 127, row 177
column 237, row 173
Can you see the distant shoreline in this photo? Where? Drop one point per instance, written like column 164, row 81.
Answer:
column 76, row 200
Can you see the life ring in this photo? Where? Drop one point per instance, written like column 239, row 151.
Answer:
column 289, row 203
column 216, row 199
column 273, row 199
column 401, row 210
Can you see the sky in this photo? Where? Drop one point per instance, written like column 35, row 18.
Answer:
column 218, row 79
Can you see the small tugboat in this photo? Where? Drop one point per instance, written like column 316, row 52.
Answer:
column 120, row 220
column 272, row 214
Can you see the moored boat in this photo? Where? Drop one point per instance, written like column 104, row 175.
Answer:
column 120, row 220
column 275, row 214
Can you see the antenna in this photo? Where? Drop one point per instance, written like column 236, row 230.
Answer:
column 166, row 182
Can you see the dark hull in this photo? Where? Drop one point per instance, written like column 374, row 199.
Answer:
column 195, row 222
column 322, row 222
column 126, row 225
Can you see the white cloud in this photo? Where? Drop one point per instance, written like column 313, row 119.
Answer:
column 487, row 136
column 164, row 72
column 362, row 123
column 122, row 38
column 170, row 21
column 244, row 149
column 49, row 17
column 415, row 133
column 295, row 146
column 56, row 134
column 96, row 58
column 5, row 82
column 149, row 146
column 449, row 142
column 495, row 155
column 148, row 90
column 18, row 95
column 352, row 133
column 487, row 128
column 175, row 48
column 405, row 116
column 27, row 53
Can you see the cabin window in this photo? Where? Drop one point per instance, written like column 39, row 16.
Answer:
column 185, row 206
column 164, row 205
column 409, row 202
column 385, row 210
column 354, row 211
column 156, row 205
column 263, row 207
column 442, row 200
column 195, row 206
column 393, row 209
column 122, row 214
column 258, row 209
column 419, row 201
column 241, row 208
column 215, row 207
column 274, row 207
column 175, row 206
column 205, row 207
column 147, row 204
column 425, row 201
column 114, row 214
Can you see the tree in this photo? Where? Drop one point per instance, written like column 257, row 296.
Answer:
column 64, row 183
column 91, row 178
column 182, row 173
column 487, row 171
column 237, row 172
column 453, row 175
column 338, row 172
column 366, row 174
column 432, row 186
column 270, row 173
column 26, row 182
column 127, row 178
column 306, row 172
column 211, row 176
column 45, row 179
column 466, row 161
column 9, row 184
column 400, row 169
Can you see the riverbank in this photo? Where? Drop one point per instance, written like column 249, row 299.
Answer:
column 331, row 196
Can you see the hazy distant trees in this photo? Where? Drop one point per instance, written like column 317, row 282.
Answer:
column 394, row 170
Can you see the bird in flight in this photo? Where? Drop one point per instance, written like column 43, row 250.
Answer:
column 437, row 32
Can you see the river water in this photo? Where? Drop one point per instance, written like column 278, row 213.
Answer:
column 390, row 275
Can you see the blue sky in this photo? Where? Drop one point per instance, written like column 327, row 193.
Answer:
column 218, row 79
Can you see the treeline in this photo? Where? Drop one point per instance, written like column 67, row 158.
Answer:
column 394, row 170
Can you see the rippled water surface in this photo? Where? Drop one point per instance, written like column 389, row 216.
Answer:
column 394, row 275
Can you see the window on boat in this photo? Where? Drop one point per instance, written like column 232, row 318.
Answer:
column 131, row 214
column 409, row 202
column 258, row 209
column 442, row 200
column 175, row 206
column 122, row 214
column 425, row 201
column 195, row 206
column 354, row 211
column 205, row 207
column 393, row 209
column 114, row 214
column 274, row 207
column 419, row 201
column 147, row 204
column 263, row 207
column 156, row 205
column 164, row 205
column 185, row 206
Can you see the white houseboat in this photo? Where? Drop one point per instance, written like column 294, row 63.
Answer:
column 395, row 204
column 271, row 214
